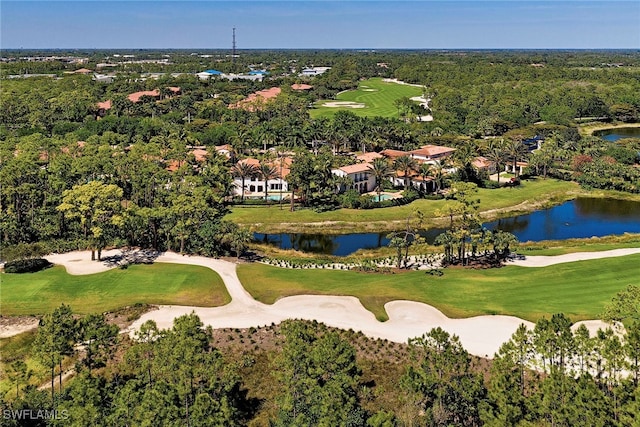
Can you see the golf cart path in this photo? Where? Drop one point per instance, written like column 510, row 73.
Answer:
column 480, row 335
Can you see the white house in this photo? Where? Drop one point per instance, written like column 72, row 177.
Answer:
column 359, row 175
column 314, row 71
column 254, row 186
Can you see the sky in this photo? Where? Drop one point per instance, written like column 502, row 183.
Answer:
column 426, row 24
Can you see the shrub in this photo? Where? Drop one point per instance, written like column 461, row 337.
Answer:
column 27, row 265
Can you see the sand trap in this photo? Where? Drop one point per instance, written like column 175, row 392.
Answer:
column 545, row 261
column 343, row 104
column 481, row 335
column 10, row 326
column 369, row 90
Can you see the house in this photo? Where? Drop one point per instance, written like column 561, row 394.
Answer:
column 359, row 176
column 314, row 71
column 135, row 97
column 254, row 186
column 520, row 167
column 207, row 74
column 301, row 86
column 393, row 154
column 483, row 164
column 431, row 153
column 103, row 107
column 369, row 157
column 253, row 101
column 225, row 150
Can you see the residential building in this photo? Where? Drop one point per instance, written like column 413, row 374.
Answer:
column 359, row 177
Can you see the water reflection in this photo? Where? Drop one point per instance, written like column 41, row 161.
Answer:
column 580, row 218
column 619, row 133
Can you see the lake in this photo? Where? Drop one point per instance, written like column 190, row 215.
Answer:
column 618, row 133
column 579, row 218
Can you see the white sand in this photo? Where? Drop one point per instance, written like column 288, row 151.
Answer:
column 481, row 335
column 343, row 104
column 545, row 261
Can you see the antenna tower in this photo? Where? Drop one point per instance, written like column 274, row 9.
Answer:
column 233, row 50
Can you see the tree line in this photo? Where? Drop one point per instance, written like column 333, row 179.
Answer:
column 551, row 374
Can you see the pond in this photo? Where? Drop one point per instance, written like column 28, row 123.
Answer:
column 615, row 134
column 579, row 218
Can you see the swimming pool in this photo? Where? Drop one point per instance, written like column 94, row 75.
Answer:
column 382, row 197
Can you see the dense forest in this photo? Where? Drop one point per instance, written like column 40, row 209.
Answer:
column 306, row 374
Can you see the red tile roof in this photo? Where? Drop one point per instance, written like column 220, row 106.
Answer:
column 301, row 86
column 369, row 157
column 357, row 168
column 135, row 97
column 249, row 103
column 393, row 153
column 105, row 105
column 200, row 154
column 432, row 151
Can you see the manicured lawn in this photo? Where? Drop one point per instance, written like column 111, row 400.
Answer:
column 272, row 219
column 377, row 96
column 39, row 293
column 578, row 289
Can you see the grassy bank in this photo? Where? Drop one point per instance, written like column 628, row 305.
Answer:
column 589, row 129
column 376, row 95
column 532, row 194
column 578, row 289
column 39, row 293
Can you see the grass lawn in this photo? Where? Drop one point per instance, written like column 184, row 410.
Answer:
column 578, row 289
column 273, row 219
column 39, row 293
column 377, row 96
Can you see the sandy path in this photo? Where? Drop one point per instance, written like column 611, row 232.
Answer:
column 481, row 335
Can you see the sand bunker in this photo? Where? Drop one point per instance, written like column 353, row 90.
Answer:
column 343, row 104
column 480, row 335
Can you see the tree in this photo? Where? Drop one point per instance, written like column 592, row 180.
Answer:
column 440, row 375
column 320, row 378
column 244, row 170
column 98, row 207
column 515, row 150
column 380, row 170
column 267, row 172
column 54, row 340
column 624, row 305
column 407, row 165
column 98, row 338
column 496, row 154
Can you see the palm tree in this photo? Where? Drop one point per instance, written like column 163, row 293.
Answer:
column 425, row 171
column 243, row 170
column 405, row 164
column 496, row 154
column 267, row 172
column 515, row 150
column 381, row 170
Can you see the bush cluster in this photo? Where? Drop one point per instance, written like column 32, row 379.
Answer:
column 27, row 265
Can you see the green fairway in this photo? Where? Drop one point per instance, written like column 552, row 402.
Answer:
column 578, row 289
column 271, row 219
column 377, row 96
column 39, row 293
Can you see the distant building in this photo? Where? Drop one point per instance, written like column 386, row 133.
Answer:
column 301, row 86
column 207, row 74
column 431, row 153
column 314, row 71
column 255, row 100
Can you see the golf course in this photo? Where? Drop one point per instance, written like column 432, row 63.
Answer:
column 373, row 97
column 578, row 289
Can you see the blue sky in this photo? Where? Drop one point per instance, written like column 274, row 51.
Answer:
column 321, row 24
